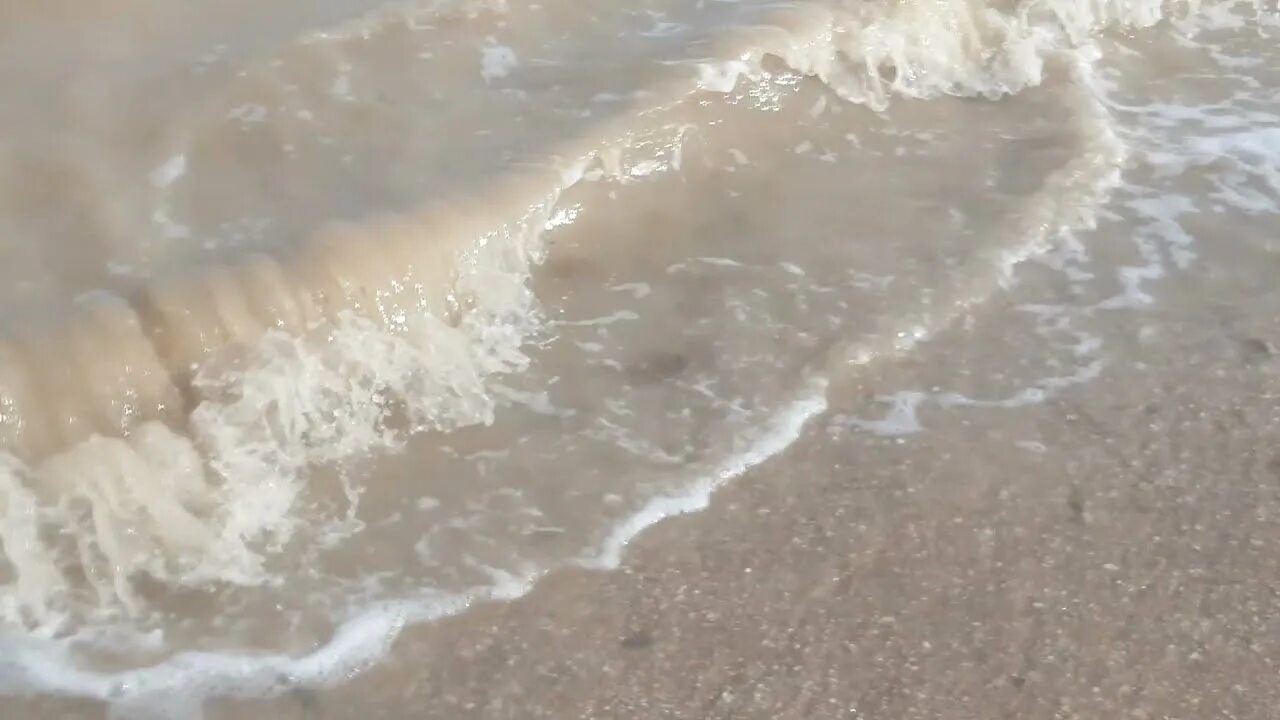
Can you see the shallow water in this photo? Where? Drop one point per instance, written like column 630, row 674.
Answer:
column 320, row 323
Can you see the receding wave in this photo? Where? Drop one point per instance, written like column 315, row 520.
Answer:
column 167, row 433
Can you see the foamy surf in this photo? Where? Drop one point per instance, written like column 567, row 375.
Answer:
column 175, row 687
column 226, row 442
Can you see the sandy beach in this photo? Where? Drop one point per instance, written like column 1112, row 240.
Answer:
column 1111, row 553
column 863, row 360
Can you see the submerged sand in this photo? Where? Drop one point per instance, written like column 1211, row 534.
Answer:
column 987, row 388
column 1126, row 564
column 1114, row 552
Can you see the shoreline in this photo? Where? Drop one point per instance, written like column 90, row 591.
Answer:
column 1118, row 572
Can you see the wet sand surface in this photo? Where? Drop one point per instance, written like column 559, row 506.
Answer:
column 1112, row 553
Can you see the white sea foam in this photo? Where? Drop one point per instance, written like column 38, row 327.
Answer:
column 497, row 61
column 901, row 419
column 871, row 52
column 771, row 438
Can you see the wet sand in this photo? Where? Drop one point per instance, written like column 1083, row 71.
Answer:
column 1111, row 553
column 1129, row 569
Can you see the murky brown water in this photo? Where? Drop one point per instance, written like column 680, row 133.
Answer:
column 326, row 321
